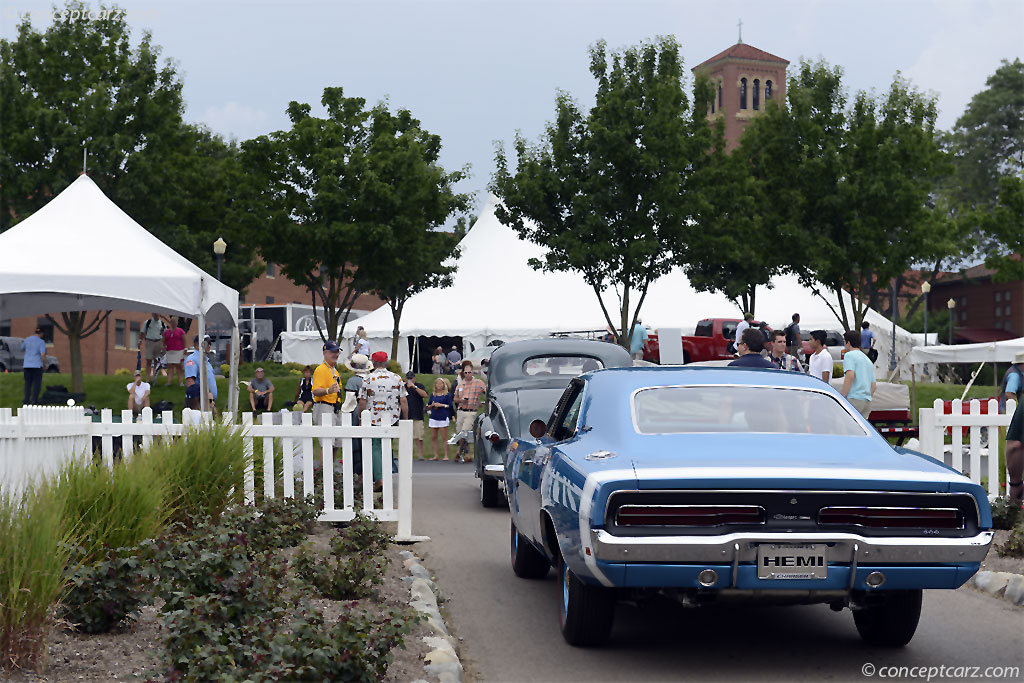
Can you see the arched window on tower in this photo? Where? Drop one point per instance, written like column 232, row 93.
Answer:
column 767, row 90
column 743, row 93
column 712, row 105
column 757, row 94
column 719, row 95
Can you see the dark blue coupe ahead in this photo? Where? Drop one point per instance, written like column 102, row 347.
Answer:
column 708, row 484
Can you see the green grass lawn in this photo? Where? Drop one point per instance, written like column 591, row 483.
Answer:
column 927, row 392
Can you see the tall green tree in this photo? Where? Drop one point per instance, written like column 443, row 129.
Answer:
column 411, row 253
column 857, row 180
column 607, row 191
column 1004, row 225
column 79, row 87
column 348, row 195
column 734, row 246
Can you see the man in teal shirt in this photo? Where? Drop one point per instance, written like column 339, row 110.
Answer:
column 858, row 374
column 638, row 341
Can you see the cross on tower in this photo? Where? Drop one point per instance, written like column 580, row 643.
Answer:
column 740, row 24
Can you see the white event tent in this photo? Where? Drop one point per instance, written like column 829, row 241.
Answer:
column 987, row 352
column 81, row 252
column 497, row 295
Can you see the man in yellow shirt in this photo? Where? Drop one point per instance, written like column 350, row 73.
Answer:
column 327, row 391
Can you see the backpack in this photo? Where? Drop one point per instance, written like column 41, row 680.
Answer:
column 790, row 335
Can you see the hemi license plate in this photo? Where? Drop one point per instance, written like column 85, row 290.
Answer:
column 791, row 561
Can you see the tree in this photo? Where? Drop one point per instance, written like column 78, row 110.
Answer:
column 987, row 141
column 859, row 180
column 79, row 86
column 412, row 254
column 346, row 193
column 77, row 326
column 607, row 192
column 735, row 246
column 1004, row 225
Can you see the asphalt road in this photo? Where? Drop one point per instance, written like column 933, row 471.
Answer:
column 509, row 626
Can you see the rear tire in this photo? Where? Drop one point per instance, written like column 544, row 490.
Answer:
column 891, row 623
column 527, row 561
column 586, row 612
column 488, row 492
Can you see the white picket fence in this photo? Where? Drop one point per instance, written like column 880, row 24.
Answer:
column 982, row 453
column 38, row 439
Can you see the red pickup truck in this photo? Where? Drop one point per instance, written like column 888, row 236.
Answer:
column 710, row 341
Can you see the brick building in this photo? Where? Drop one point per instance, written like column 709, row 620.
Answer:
column 745, row 79
column 985, row 310
column 115, row 344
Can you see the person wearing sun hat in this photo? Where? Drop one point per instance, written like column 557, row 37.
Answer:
column 383, row 393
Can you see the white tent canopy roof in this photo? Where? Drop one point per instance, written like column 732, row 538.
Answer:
column 81, row 252
column 987, row 352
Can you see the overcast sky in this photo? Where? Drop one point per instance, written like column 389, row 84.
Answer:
column 476, row 71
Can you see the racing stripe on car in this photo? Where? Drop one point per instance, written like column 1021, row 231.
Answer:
column 586, row 505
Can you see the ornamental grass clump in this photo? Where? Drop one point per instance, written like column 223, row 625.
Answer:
column 204, row 471
column 113, row 510
column 35, row 544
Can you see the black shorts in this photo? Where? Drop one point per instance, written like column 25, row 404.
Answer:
column 1016, row 430
column 260, row 402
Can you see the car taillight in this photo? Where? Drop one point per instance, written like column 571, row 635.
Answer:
column 904, row 518
column 688, row 515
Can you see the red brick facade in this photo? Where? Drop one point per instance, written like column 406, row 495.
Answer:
column 745, row 78
column 985, row 310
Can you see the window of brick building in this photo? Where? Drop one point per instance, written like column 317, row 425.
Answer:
column 719, row 96
column 999, row 297
column 743, row 93
column 119, row 328
column 133, row 329
column 767, row 90
column 270, row 269
column 270, row 299
column 757, row 94
column 5, row 328
column 47, row 327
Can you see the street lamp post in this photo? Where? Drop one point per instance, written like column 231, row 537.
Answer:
column 925, row 288
column 892, row 355
column 951, row 305
column 219, row 247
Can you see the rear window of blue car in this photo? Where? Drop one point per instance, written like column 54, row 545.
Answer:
column 740, row 409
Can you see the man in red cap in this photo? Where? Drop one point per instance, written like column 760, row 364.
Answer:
column 383, row 393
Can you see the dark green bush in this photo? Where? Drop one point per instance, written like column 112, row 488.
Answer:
column 341, row 576
column 1014, row 545
column 105, row 593
column 364, row 534
column 1005, row 514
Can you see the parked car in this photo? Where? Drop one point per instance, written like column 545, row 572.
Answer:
column 833, row 342
column 12, row 358
column 710, row 484
column 524, row 382
column 711, row 340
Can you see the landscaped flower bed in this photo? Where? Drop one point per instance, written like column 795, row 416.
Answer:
column 186, row 583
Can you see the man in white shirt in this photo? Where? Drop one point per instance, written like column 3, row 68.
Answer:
column 138, row 394
column 821, row 359
column 744, row 324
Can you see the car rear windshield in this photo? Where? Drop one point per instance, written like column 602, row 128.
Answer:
column 710, row 409
column 568, row 366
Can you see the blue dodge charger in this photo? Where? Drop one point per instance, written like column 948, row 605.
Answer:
column 711, row 484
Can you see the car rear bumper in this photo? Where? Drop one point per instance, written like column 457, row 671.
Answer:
column 494, row 471
column 745, row 585
column 741, row 548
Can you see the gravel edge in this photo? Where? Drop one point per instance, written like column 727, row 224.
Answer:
column 442, row 662
column 1005, row 585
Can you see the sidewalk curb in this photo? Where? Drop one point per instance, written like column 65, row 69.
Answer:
column 442, row 662
column 1005, row 585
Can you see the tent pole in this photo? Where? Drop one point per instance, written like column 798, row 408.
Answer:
column 913, row 393
column 233, row 379
column 204, row 402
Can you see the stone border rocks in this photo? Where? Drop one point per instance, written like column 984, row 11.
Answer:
column 1009, row 587
column 442, row 662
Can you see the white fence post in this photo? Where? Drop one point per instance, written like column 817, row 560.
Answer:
column 981, row 460
column 37, row 440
